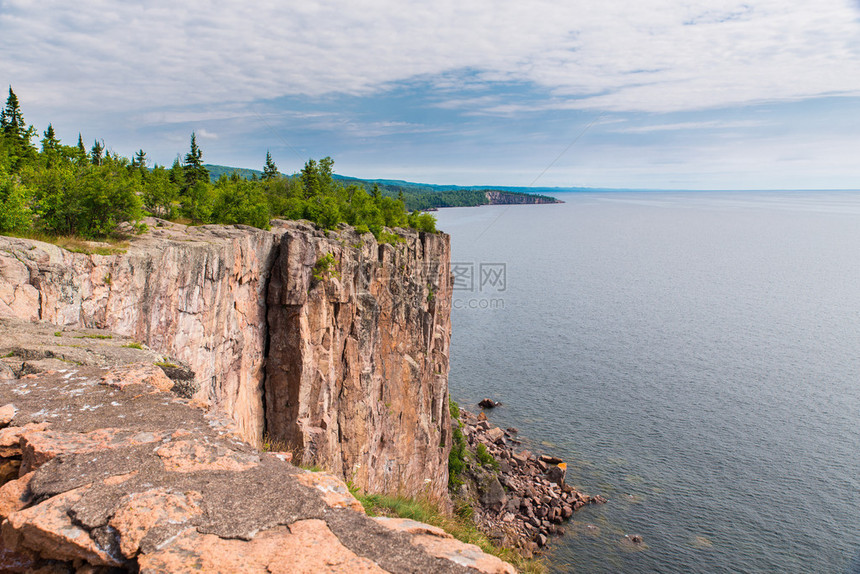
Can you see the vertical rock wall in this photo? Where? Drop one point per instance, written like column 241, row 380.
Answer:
column 357, row 377
column 349, row 368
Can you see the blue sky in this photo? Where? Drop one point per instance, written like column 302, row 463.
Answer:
column 677, row 94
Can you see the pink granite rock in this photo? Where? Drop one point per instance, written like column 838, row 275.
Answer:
column 306, row 547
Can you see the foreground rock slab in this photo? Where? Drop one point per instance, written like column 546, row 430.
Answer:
column 113, row 472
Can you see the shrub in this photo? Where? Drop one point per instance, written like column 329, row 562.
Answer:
column 422, row 221
column 484, row 457
column 15, row 213
column 325, row 267
column 456, row 458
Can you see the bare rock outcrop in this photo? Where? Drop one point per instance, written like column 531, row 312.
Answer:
column 358, row 361
column 112, row 472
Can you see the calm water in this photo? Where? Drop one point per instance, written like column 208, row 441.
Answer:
column 694, row 356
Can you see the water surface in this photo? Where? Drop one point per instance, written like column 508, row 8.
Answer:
column 695, row 356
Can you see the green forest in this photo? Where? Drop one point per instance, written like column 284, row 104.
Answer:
column 53, row 189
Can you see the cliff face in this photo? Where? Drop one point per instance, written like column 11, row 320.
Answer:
column 358, row 361
column 350, row 369
column 496, row 197
column 196, row 294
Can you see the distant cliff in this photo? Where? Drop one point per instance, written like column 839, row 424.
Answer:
column 496, row 197
column 331, row 343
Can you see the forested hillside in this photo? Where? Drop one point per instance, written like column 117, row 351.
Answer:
column 58, row 190
column 420, row 196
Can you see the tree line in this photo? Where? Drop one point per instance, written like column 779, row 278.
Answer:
column 57, row 189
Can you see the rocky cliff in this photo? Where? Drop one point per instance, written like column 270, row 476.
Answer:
column 356, row 380
column 331, row 343
column 497, row 197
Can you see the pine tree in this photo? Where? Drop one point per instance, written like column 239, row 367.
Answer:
column 194, row 170
column 270, row 170
column 139, row 160
column 177, row 174
column 97, row 153
column 82, row 155
column 14, row 128
column 194, row 158
column 11, row 118
column 50, row 141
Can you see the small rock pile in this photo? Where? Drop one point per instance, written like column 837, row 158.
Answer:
column 525, row 500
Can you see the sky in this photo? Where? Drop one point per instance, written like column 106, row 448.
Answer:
column 669, row 94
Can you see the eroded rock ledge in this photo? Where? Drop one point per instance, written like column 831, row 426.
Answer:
column 106, row 467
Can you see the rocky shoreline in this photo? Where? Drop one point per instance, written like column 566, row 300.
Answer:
column 519, row 499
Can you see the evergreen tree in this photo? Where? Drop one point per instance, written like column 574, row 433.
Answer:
column 310, row 179
column 12, row 120
column 97, row 153
column 270, row 170
column 139, row 160
column 79, row 153
column 177, row 174
column 50, row 141
column 50, row 147
column 317, row 178
column 193, row 168
column 15, row 130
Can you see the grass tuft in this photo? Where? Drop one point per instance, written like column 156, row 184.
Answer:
column 111, row 245
column 268, row 444
column 459, row 525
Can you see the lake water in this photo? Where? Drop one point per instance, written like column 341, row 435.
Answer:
column 694, row 356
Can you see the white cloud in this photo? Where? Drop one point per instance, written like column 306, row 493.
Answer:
column 626, row 55
column 250, row 76
column 695, row 126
